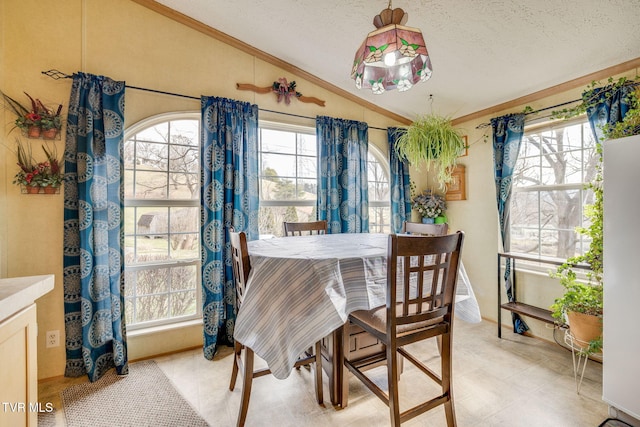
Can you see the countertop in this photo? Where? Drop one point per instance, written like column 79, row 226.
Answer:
column 17, row 293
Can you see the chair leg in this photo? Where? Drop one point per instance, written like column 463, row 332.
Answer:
column 237, row 348
column 318, row 368
column 246, row 386
column 446, row 379
column 393, row 378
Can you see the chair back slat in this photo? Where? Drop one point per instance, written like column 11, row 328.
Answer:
column 241, row 264
column 422, row 277
column 305, row 228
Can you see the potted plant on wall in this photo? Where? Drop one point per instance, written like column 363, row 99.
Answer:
column 39, row 121
column 581, row 306
column 431, row 140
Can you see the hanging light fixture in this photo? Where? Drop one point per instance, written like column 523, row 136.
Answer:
column 393, row 56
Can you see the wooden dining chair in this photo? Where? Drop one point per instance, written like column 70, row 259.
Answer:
column 425, row 229
column 304, row 228
column 244, row 362
column 421, row 285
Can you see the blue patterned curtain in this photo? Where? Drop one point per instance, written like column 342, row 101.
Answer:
column 229, row 194
column 343, row 193
column 611, row 108
column 400, row 184
column 507, row 136
column 93, row 228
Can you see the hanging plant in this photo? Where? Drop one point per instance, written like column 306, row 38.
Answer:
column 433, row 141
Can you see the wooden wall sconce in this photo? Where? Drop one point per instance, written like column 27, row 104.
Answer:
column 282, row 90
column 456, row 189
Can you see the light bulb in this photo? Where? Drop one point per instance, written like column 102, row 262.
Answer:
column 390, row 59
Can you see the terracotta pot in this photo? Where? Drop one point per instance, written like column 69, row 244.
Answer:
column 50, row 190
column 584, row 327
column 49, row 133
column 33, row 189
column 33, row 131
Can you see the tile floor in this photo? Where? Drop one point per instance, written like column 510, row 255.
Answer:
column 514, row 381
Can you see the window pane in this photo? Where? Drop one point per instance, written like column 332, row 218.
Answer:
column 183, row 303
column 150, row 185
column 276, row 141
column 157, row 133
column 184, row 186
column 281, row 165
column 307, row 189
column 527, row 172
column 524, row 210
column 153, row 307
column 560, row 209
column 307, row 145
column 184, row 159
column 185, row 132
column 272, row 217
column 307, row 167
column 525, row 240
column 151, row 156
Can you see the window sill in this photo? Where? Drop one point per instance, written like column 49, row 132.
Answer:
column 163, row 328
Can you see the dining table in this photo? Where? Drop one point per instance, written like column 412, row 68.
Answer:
column 302, row 289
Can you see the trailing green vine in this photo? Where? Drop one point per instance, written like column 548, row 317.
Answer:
column 431, row 140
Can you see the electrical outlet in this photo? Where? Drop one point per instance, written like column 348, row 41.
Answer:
column 53, row 339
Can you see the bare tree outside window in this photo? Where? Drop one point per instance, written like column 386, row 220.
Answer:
column 554, row 164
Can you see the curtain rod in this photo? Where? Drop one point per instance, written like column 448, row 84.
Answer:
column 484, row 125
column 58, row 75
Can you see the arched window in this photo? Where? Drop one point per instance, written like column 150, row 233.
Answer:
column 162, row 220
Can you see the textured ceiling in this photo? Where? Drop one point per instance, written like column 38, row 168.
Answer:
column 484, row 52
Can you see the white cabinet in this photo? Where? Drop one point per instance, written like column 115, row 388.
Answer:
column 621, row 335
column 19, row 404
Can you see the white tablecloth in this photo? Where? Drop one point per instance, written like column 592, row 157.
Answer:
column 302, row 288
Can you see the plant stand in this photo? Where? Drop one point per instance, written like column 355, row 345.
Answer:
column 579, row 356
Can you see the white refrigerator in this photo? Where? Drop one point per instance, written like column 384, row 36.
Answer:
column 621, row 335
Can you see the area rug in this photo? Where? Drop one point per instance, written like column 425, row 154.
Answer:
column 144, row 397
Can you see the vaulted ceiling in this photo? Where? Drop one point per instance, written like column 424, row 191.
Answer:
column 484, row 52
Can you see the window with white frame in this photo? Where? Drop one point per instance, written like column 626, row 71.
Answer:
column 162, row 220
column 549, row 189
column 289, row 180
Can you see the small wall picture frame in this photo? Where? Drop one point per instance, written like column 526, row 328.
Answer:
column 456, row 189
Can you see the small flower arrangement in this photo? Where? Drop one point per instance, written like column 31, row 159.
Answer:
column 429, row 204
column 37, row 174
column 38, row 118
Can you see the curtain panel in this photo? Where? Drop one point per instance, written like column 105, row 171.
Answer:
column 507, row 136
column 93, row 276
column 610, row 108
column 400, row 184
column 343, row 193
column 229, row 194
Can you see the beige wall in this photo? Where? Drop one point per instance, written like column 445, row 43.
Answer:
column 126, row 41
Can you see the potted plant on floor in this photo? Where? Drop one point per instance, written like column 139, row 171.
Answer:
column 431, row 140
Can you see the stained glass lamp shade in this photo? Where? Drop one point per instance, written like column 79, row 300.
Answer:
column 391, row 57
